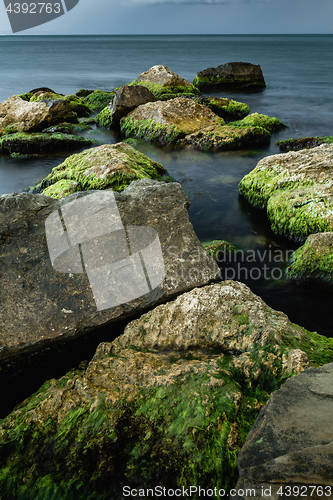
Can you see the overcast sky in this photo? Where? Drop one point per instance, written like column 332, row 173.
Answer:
column 187, row 17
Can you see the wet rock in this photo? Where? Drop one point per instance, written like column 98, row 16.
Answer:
column 165, row 84
column 217, row 137
column 232, row 75
column 42, row 278
column 110, row 166
column 33, row 116
column 40, row 143
column 98, row 99
column 272, row 124
column 290, row 448
column 296, row 190
column 303, row 143
column 313, row 261
column 76, row 104
column 228, row 109
column 128, row 98
column 167, row 122
column 170, row 400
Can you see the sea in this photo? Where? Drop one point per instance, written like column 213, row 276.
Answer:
column 298, row 70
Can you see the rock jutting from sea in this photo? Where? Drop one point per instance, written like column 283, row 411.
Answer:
column 295, row 188
column 170, row 402
column 232, row 75
column 68, row 266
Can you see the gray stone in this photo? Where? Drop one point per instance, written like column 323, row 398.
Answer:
column 40, row 306
column 234, row 75
column 291, row 443
column 128, row 98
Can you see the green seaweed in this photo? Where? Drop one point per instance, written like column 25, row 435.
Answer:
column 159, row 90
column 150, row 130
column 258, row 120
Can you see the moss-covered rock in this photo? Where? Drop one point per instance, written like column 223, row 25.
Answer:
column 313, row 261
column 217, row 137
column 217, row 248
column 68, row 128
column 104, row 118
column 232, row 75
column 164, row 84
column 76, row 104
column 108, row 166
column 170, row 402
column 296, row 190
column 271, row 124
column 303, row 143
column 23, row 143
column 228, row 109
column 167, row 122
column 98, row 99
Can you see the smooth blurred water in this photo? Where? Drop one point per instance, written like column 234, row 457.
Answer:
column 298, row 70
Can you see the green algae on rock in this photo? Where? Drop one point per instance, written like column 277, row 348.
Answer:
column 228, row 109
column 98, row 99
column 217, row 247
column 296, row 190
column 217, row 137
column 108, row 166
column 167, row 122
column 164, row 84
column 235, row 75
column 313, row 261
column 271, row 124
column 303, row 143
column 169, row 402
column 76, row 104
column 24, row 143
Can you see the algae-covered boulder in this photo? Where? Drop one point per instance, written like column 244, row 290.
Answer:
column 98, row 99
column 43, row 143
column 34, row 116
column 228, row 109
column 217, row 137
column 232, row 75
column 303, row 143
column 76, row 104
column 165, row 84
column 313, row 261
column 296, row 190
column 107, row 166
column 167, row 122
column 289, row 450
column 271, row 124
column 170, row 402
column 46, row 294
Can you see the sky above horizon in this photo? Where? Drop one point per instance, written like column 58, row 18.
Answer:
column 187, row 17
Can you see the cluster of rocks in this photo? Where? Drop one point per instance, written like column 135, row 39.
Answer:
column 156, row 106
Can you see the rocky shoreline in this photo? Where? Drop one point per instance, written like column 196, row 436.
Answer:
column 189, row 392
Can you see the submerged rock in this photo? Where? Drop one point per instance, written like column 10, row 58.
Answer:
column 36, row 143
column 170, row 402
column 165, row 84
column 108, row 166
column 232, row 75
column 228, row 109
column 303, row 143
column 26, row 116
column 296, row 190
column 313, row 261
column 167, row 122
column 290, row 448
column 217, row 137
column 55, row 298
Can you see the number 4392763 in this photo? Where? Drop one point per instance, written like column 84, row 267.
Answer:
column 34, row 8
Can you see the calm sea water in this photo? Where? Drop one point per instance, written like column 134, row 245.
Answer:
column 299, row 74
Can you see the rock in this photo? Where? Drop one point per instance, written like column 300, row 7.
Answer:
column 53, row 304
column 170, row 402
column 295, row 189
column 128, row 98
column 228, row 109
column 167, row 122
column 164, row 83
column 37, row 143
column 271, row 124
column 303, row 143
column 290, row 448
column 217, row 137
column 76, row 104
column 313, row 261
column 232, row 75
column 110, row 166
column 33, row 116
column 218, row 248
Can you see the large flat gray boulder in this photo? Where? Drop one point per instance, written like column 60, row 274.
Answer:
column 291, row 443
column 68, row 266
